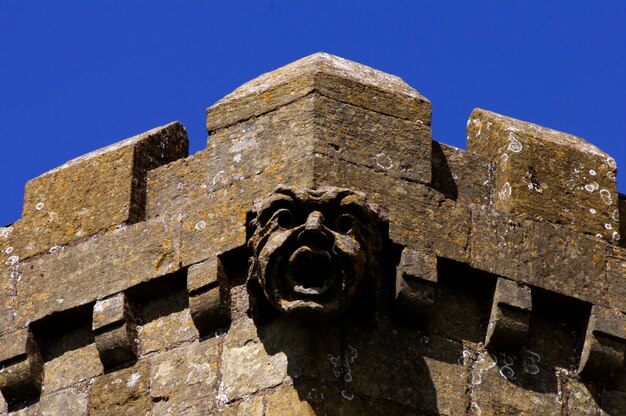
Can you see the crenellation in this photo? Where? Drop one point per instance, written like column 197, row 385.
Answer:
column 322, row 255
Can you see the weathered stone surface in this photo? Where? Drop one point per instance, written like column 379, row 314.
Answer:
column 416, row 277
column 604, row 349
column 165, row 322
column 510, row 316
column 329, row 75
column 616, row 278
column 96, row 268
column 419, row 216
column 94, row 192
column 250, row 406
column 22, row 366
column 287, row 402
column 507, row 388
column 8, row 276
column 209, row 302
column 621, row 203
column 461, row 175
column 425, row 377
column 115, row 329
column 123, row 392
column 546, row 174
column 185, row 380
column 545, row 255
column 64, row 402
column 319, row 125
column 247, row 366
column 72, row 366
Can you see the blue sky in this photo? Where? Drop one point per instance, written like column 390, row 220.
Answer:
column 76, row 76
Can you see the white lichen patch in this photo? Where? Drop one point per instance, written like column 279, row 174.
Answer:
column 39, row 206
column 132, row 380
column 593, row 211
column 606, row 197
column 592, row 172
column 12, row 260
column 515, row 145
column 383, row 161
column 505, row 192
column 593, row 186
column 200, row 225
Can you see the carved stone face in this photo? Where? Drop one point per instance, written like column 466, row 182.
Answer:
column 314, row 250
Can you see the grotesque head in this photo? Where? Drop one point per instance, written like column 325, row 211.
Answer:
column 314, row 250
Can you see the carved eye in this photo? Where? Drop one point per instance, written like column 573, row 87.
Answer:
column 344, row 223
column 284, row 218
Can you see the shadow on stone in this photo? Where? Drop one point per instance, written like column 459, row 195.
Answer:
column 340, row 367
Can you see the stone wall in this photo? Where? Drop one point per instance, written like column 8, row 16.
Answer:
column 433, row 280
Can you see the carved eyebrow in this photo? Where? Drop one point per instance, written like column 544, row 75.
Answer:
column 272, row 204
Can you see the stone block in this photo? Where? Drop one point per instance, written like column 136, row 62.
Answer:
column 621, row 203
column 94, row 192
column 288, row 402
column 249, row 406
column 124, row 392
column 442, row 224
column 604, row 349
column 115, row 330
column 416, row 279
column 8, row 276
column 317, row 125
column 500, row 389
column 247, row 366
column 185, row 380
column 331, row 76
column 165, row 322
column 426, row 377
column 510, row 317
column 65, row 402
column 461, row 175
column 209, row 302
column 547, row 175
column 22, row 364
column 73, row 366
column 616, row 278
column 546, row 255
column 94, row 269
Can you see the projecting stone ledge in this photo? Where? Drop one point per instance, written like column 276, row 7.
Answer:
column 548, row 175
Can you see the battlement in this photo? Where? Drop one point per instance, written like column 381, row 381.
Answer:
column 322, row 255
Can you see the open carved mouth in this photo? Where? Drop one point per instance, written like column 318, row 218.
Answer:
column 310, row 272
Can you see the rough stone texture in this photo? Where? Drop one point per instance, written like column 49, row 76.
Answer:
column 540, row 254
column 461, row 175
column 123, row 392
column 331, row 76
column 510, row 316
column 64, row 402
column 99, row 267
column 185, row 380
column 94, row 192
column 547, row 174
column 247, row 366
column 169, row 233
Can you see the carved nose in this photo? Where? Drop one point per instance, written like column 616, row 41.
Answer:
column 313, row 233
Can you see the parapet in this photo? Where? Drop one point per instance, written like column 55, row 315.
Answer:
column 322, row 255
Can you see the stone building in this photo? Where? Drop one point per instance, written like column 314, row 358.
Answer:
column 322, row 256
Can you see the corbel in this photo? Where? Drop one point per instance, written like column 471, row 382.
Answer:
column 603, row 351
column 115, row 330
column 416, row 281
column 21, row 366
column 510, row 316
column 208, row 298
